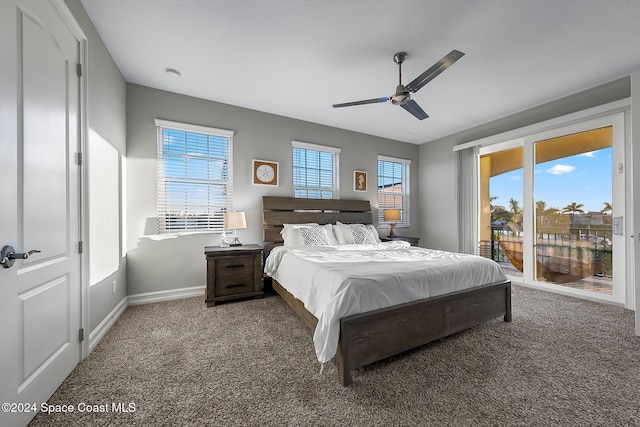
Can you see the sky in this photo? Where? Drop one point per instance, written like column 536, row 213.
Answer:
column 583, row 178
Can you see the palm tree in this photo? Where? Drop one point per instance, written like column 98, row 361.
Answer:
column 607, row 208
column 514, row 206
column 516, row 211
column 573, row 208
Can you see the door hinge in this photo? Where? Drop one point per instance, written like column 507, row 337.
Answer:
column 80, row 247
column 79, row 70
column 79, row 159
column 81, row 334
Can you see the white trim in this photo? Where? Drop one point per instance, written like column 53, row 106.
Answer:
column 299, row 144
column 193, row 128
column 69, row 20
column 77, row 32
column 393, row 159
column 159, row 296
column 589, row 113
column 96, row 335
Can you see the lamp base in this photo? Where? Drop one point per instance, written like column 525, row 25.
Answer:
column 391, row 227
column 235, row 242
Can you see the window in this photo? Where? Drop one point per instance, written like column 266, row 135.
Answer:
column 194, row 177
column 393, row 187
column 315, row 171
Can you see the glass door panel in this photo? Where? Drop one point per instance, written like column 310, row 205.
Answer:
column 501, row 209
column 573, row 210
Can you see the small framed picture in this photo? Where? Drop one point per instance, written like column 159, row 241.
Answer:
column 265, row 172
column 359, row 181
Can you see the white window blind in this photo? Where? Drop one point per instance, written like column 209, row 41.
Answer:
column 194, row 177
column 315, row 171
column 393, row 187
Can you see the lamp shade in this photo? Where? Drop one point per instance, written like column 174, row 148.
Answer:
column 392, row 214
column 235, row 220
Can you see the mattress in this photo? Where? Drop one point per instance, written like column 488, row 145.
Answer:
column 338, row 281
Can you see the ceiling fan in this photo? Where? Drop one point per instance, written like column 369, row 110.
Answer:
column 402, row 97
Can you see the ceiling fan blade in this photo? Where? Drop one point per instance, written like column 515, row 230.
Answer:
column 433, row 72
column 413, row 107
column 366, row 101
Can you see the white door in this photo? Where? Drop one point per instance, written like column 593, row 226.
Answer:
column 39, row 200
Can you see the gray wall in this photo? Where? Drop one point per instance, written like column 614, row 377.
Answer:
column 159, row 262
column 437, row 194
column 106, row 124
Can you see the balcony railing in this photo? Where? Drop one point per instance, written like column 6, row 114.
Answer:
column 556, row 249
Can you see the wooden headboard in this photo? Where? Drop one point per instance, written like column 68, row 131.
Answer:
column 289, row 210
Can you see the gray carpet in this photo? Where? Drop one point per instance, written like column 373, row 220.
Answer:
column 562, row 361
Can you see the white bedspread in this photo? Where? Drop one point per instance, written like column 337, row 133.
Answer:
column 338, row 281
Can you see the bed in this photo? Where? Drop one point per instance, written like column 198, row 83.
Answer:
column 375, row 334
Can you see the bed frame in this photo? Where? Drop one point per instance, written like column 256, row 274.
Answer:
column 375, row 335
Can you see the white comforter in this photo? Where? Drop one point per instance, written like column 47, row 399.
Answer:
column 338, row 281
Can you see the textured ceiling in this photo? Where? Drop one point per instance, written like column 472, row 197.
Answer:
column 296, row 58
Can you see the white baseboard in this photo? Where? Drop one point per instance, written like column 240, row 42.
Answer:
column 96, row 335
column 158, row 296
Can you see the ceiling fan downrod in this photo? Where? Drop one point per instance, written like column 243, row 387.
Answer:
column 402, row 95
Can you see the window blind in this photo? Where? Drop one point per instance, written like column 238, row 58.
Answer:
column 194, row 177
column 393, row 188
column 315, row 171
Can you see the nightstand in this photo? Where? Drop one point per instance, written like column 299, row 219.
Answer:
column 412, row 240
column 233, row 273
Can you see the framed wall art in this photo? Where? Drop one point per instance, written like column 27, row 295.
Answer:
column 359, row 181
column 265, row 172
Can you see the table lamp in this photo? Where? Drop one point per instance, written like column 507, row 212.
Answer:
column 235, row 220
column 392, row 215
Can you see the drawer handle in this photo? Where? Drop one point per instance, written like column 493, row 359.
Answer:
column 237, row 285
column 235, row 266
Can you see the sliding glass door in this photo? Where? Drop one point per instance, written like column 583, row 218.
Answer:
column 551, row 207
column 501, row 210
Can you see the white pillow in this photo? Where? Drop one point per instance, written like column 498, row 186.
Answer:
column 343, row 233
column 292, row 234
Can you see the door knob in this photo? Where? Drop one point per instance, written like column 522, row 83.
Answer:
column 8, row 255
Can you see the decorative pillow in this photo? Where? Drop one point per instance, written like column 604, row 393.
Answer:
column 315, row 236
column 363, row 234
column 291, row 233
column 346, row 235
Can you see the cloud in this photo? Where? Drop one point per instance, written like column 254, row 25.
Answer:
column 560, row 169
column 589, row 154
column 515, row 178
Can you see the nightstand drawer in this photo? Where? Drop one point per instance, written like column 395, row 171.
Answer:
column 230, row 285
column 233, row 266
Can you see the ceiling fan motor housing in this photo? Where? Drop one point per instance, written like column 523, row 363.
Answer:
column 401, row 96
